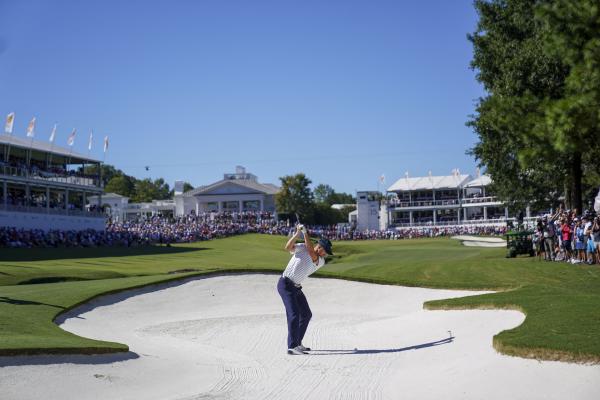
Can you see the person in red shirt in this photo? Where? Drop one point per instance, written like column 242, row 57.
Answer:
column 566, row 231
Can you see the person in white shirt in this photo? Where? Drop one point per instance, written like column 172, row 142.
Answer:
column 306, row 259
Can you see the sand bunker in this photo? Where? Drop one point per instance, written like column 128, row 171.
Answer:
column 478, row 241
column 224, row 338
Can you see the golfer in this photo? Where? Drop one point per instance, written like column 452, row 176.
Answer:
column 305, row 260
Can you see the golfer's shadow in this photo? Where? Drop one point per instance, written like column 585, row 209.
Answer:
column 329, row 352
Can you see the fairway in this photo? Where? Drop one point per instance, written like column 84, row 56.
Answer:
column 561, row 301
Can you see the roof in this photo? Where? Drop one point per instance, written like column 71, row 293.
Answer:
column 483, row 180
column 45, row 147
column 429, row 183
column 112, row 196
column 266, row 188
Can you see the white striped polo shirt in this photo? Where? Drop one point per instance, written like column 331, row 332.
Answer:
column 301, row 264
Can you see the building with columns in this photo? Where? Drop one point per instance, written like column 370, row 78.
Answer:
column 236, row 192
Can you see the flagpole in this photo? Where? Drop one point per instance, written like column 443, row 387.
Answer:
column 30, row 151
column 31, row 134
column 51, row 150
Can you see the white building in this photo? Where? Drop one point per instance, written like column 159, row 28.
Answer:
column 367, row 211
column 41, row 187
column 240, row 191
column 119, row 209
column 443, row 200
column 113, row 204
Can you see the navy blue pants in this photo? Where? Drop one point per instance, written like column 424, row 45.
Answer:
column 297, row 311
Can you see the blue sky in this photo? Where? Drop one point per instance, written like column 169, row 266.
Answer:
column 341, row 90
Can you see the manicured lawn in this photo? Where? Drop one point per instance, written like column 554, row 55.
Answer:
column 561, row 301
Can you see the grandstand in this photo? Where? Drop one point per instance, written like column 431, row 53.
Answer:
column 443, row 200
column 43, row 187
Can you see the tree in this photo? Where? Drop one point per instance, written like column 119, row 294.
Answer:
column 108, row 172
column 325, row 215
column 121, row 184
column 145, row 191
column 162, row 191
column 295, row 197
column 532, row 139
column 572, row 33
column 342, row 198
column 187, row 187
column 323, row 193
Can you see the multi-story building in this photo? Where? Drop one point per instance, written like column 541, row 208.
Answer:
column 442, row 200
column 42, row 187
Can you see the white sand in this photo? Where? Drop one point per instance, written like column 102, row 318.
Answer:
column 478, row 241
column 224, row 338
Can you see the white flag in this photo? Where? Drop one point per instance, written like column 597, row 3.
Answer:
column 53, row 134
column 71, row 138
column 105, row 143
column 10, row 120
column 31, row 128
column 382, row 178
column 90, row 141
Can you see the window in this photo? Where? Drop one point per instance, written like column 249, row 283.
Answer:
column 251, row 205
column 231, row 205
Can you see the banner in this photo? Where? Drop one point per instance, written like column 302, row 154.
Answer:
column 71, row 138
column 53, row 134
column 10, row 120
column 105, row 143
column 31, row 128
column 90, row 141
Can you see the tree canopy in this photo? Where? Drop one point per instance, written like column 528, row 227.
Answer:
column 537, row 125
column 138, row 190
column 295, row 196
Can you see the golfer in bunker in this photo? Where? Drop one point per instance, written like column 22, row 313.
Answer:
column 305, row 260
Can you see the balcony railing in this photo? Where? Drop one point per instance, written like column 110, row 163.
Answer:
column 493, row 221
column 49, row 176
column 479, row 200
column 444, row 202
column 423, row 203
column 51, row 210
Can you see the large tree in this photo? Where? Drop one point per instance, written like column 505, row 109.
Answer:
column 121, row 184
column 295, row 196
column 323, row 193
column 533, row 152
column 147, row 190
column 327, row 195
column 108, row 172
column 572, row 33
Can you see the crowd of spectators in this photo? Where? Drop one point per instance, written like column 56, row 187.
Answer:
column 207, row 226
column 569, row 237
column 41, row 169
column 346, row 233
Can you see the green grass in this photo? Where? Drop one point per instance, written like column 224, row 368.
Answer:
column 561, row 301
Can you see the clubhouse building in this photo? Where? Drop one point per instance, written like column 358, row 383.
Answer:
column 236, row 192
